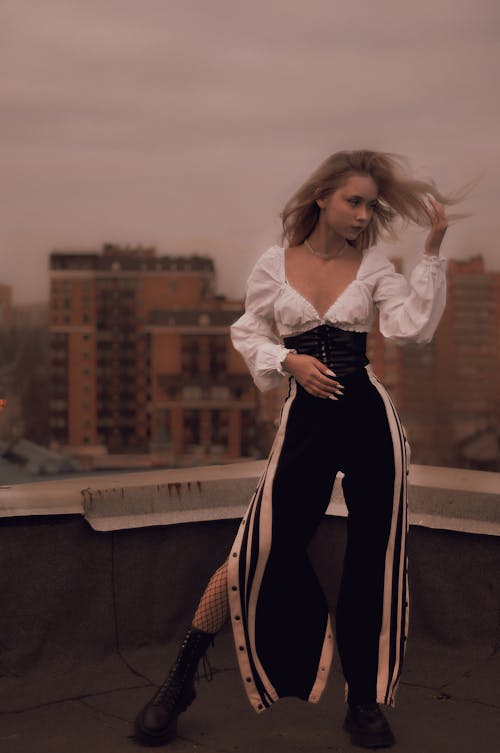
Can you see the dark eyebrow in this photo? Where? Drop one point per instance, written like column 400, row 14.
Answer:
column 362, row 198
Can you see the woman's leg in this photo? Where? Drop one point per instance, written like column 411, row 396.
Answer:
column 373, row 600
column 213, row 609
column 280, row 617
column 371, row 617
column 157, row 722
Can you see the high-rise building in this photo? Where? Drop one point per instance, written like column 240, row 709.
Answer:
column 468, row 365
column 450, row 398
column 141, row 361
column 141, row 358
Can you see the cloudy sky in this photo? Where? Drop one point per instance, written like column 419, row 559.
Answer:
column 187, row 124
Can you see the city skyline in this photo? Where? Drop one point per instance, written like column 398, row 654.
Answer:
column 125, row 324
column 404, row 267
column 187, row 126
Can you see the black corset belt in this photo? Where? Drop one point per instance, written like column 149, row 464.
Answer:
column 342, row 351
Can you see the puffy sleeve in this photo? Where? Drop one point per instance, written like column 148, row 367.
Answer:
column 410, row 311
column 252, row 334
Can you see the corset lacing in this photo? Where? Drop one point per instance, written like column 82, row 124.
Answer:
column 342, row 351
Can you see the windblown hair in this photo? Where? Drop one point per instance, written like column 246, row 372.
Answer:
column 400, row 196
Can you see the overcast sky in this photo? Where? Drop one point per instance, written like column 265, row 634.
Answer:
column 187, row 125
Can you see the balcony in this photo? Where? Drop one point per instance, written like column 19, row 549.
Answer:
column 100, row 576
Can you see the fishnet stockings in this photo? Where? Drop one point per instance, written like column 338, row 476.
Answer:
column 213, row 609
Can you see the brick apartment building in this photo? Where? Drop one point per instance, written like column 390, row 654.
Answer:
column 141, row 362
column 449, row 394
column 141, row 359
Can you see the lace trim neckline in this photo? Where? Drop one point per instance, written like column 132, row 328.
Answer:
column 306, row 300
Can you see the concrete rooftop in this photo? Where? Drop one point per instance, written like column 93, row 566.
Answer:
column 92, row 615
column 446, row 704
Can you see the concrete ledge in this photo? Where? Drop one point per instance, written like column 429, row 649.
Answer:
column 73, row 596
column 445, row 498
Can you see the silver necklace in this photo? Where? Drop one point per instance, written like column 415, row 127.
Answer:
column 323, row 256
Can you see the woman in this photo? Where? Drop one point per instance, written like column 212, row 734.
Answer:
column 308, row 309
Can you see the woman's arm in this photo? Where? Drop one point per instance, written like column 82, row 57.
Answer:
column 439, row 226
column 410, row 312
column 252, row 334
column 263, row 351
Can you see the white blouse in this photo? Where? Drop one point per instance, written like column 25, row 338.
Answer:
column 409, row 311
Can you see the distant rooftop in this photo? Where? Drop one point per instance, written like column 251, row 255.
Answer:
column 114, row 257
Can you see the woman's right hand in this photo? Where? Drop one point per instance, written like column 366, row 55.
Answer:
column 313, row 375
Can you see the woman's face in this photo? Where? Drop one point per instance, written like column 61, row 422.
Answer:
column 349, row 208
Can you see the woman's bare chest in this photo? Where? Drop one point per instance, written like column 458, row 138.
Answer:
column 321, row 284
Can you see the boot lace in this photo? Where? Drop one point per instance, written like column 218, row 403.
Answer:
column 169, row 693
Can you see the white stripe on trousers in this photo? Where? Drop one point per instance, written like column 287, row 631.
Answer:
column 387, row 678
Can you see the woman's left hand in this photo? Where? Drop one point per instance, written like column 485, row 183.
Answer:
column 439, row 225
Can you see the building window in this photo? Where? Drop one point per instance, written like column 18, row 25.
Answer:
column 220, row 392
column 247, row 434
column 192, row 392
column 217, row 346
column 163, row 427
column 191, row 425
column 58, row 405
column 190, row 355
column 220, row 428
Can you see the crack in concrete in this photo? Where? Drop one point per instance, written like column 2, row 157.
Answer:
column 418, row 685
column 448, row 696
column 68, row 699
column 100, row 712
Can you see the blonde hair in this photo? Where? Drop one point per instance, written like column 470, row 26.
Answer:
column 399, row 196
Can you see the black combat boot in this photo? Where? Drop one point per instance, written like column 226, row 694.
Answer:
column 368, row 726
column 156, row 724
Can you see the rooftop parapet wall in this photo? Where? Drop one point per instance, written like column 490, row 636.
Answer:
column 443, row 498
column 94, row 565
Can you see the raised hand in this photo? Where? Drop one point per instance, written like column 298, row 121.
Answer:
column 439, row 225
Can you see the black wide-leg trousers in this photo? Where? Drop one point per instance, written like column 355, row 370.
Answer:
column 281, row 625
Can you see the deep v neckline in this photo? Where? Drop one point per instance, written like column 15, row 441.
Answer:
column 321, row 317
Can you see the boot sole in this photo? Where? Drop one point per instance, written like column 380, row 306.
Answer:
column 144, row 737
column 150, row 739
column 383, row 740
